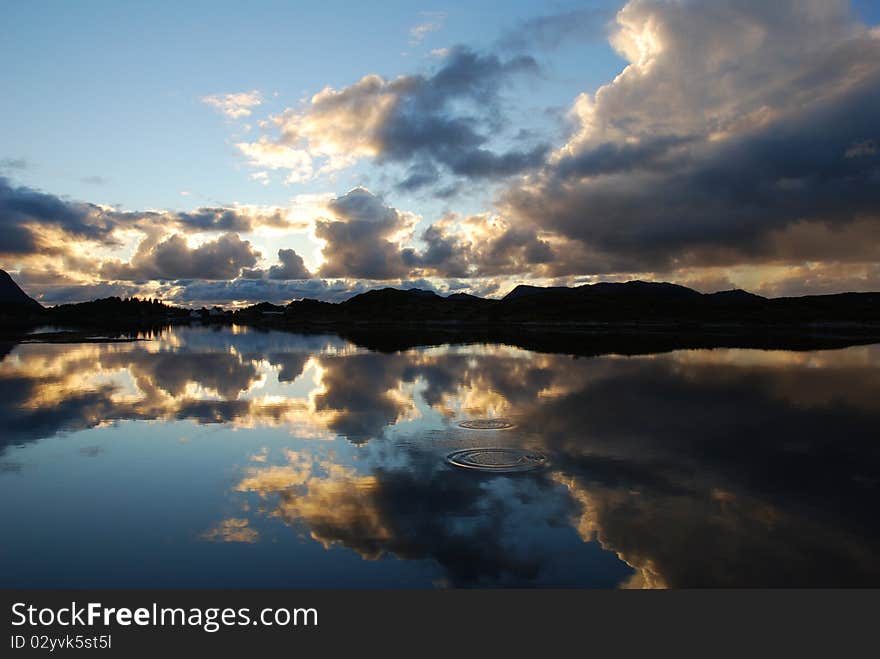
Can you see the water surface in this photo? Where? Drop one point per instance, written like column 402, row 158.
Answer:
column 236, row 457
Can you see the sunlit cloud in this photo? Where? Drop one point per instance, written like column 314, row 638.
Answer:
column 235, row 105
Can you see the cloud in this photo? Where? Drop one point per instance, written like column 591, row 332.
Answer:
column 234, row 529
column 434, row 23
column 279, row 156
column 93, row 180
column 173, row 258
column 236, row 105
column 550, row 31
column 24, row 211
column 229, row 219
column 247, row 290
column 730, row 126
column 38, row 223
column 860, row 149
column 260, row 177
column 442, row 121
column 7, row 164
column 361, row 241
column 291, row 266
column 370, row 240
column 477, row 246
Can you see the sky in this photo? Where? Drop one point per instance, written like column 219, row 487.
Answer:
column 231, row 152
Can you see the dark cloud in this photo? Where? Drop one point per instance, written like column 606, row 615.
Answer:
column 729, row 196
column 291, row 267
column 423, row 132
column 358, row 243
column 214, row 219
column 436, row 123
column 705, row 151
column 205, row 219
column 25, row 215
column 363, row 243
column 499, row 249
column 23, row 210
column 443, row 253
column 173, row 258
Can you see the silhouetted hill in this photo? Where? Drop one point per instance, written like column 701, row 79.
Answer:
column 632, row 307
column 642, row 304
column 735, row 295
column 263, row 307
column 12, row 295
column 524, row 290
column 386, row 305
column 116, row 312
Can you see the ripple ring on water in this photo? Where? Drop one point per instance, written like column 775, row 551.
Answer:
column 486, row 424
column 497, row 460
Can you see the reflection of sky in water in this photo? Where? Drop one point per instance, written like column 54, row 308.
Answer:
column 237, row 457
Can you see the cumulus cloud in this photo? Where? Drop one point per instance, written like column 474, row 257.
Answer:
column 369, row 239
column 731, row 124
column 236, row 105
column 173, row 258
column 477, row 246
column 290, row 266
column 427, row 123
column 362, row 240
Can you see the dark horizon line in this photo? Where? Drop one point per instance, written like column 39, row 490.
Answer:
column 415, row 289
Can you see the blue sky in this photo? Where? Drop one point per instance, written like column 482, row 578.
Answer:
column 182, row 150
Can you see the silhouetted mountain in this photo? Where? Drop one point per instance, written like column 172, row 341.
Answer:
column 12, row 295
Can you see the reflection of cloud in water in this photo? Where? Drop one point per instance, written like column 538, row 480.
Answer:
column 234, row 529
column 479, row 531
column 716, row 539
column 721, row 467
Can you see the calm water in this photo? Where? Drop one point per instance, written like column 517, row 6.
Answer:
column 245, row 458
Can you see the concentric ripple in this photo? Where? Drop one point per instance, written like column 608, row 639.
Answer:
column 496, row 460
column 486, row 424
